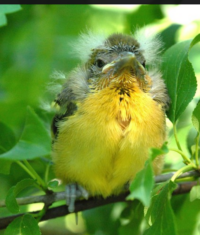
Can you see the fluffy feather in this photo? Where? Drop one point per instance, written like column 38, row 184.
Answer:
column 158, row 90
column 150, row 45
column 55, row 84
column 93, row 150
column 83, row 46
column 52, row 88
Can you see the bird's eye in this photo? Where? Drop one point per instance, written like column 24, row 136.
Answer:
column 100, row 63
column 143, row 64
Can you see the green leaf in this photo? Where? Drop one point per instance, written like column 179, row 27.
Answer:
column 53, row 184
column 6, row 166
column 179, row 77
column 23, row 225
column 3, row 20
column 196, row 117
column 7, row 141
column 142, row 185
column 7, row 8
column 7, row 138
column 144, row 15
column 34, row 142
column 135, row 214
column 195, row 193
column 127, row 211
column 154, row 152
column 168, row 35
column 186, row 214
column 11, row 202
column 191, row 146
column 161, row 213
column 99, row 218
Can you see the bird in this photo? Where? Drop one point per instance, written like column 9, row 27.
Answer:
column 111, row 111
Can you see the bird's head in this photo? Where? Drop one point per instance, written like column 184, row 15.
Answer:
column 118, row 59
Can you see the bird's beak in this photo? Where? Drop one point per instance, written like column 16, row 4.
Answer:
column 127, row 61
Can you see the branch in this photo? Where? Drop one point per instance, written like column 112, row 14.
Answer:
column 54, row 197
column 46, row 199
column 165, row 177
column 82, row 205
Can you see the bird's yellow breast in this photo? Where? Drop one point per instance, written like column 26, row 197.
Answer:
column 107, row 141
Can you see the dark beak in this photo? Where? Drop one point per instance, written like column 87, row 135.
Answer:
column 126, row 60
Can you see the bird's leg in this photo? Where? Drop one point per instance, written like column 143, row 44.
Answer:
column 74, row 191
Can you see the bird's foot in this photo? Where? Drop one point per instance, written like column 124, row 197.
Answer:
column 74, row 191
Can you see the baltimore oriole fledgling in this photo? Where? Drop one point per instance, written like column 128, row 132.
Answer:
column 112, row 110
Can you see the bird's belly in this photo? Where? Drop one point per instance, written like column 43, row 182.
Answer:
column 107, row 141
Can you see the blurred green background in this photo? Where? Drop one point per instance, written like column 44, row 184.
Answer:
column 35, row 42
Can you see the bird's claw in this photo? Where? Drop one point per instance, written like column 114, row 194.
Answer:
column 74, row 191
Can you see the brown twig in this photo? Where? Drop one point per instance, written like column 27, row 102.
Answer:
column 92, row 202
column 54, row 197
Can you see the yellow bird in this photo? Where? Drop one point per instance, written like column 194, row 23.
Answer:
column 112, row 111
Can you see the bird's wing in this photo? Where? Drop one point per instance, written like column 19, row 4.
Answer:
column 70, row 109
column 74, row 91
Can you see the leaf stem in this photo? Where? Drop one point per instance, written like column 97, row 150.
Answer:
column 181, row 171
column 41, row 213
column 25, row 168
column 176, row 137
column 47, row 173
column 197, row 150
column 168, row 170
column 186, row 159
column 36, row 176
column 186, row 179
column 28, row 168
